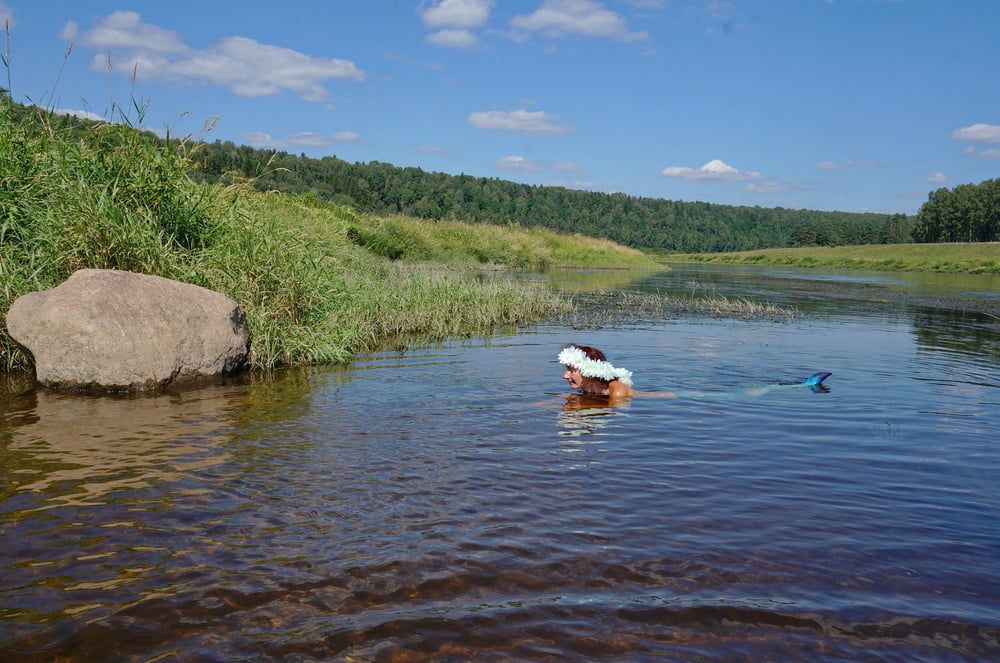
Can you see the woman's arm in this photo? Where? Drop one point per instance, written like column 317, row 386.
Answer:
column 656, row 394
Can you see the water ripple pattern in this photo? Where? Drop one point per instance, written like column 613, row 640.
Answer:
column 451, row 503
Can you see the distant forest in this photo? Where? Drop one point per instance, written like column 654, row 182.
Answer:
column 967, row 213
column 648, row 223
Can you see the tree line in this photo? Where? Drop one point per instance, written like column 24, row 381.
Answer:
column 650, row 223
column 967, row 213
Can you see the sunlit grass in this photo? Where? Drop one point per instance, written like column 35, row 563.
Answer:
column 982, row 257
column 471, row 244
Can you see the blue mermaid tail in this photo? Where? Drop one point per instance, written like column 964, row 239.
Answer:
column 816, row 379
column 815, row 382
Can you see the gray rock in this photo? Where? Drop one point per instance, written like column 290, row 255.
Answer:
column 118, row 330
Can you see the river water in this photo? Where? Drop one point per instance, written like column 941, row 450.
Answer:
column 449, row 502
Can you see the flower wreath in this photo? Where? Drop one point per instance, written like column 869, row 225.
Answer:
column 574, row 357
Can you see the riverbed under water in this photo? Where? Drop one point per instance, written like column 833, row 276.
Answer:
column 450, row 502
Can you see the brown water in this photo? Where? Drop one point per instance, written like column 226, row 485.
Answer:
column 450, row 503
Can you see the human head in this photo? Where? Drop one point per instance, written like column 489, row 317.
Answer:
column 575, row 377
column 588, row 368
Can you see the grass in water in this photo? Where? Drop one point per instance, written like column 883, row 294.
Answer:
column 629, row 306
column 974, row 258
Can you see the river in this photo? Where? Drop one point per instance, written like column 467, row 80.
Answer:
column 449, row 502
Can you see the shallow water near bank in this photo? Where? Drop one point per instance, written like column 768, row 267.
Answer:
column 449, row 502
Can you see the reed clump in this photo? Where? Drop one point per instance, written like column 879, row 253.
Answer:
column 620, row 307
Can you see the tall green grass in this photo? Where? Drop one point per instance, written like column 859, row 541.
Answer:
column 75, row 195
column 109, row 197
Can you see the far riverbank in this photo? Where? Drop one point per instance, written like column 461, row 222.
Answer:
column 970, row 258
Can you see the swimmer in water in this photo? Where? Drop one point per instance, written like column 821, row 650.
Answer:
column 589, row 370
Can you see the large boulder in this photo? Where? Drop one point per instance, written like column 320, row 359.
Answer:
column 118, row 330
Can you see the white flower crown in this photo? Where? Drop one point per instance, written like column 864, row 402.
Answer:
column 593, row 368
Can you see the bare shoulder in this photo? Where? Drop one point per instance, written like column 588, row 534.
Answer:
column 619, row 390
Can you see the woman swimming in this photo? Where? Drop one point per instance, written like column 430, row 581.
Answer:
column 589, row 370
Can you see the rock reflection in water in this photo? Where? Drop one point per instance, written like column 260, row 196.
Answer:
column 79, row 449
column 104, row 499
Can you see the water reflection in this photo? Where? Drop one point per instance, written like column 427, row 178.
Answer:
column 968, row 333
column 583, row 415
column 89, row 447
column 597, row 280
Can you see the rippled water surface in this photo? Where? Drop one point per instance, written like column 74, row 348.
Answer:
column 450, row 502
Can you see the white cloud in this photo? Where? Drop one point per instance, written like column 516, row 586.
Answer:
column 124, row 30
column 244, row 66
column 557, row 18
column 978, row 133
column 714, row 170
column 430, row 149
column 521, row 121
column 261, row 139
column 982, row 153
column 457, row 13
column 453, row 39
column 937, row 177
column 309, row 139
column 70, row 31
column 303, row 139
column 85, row 114
column 516, row 162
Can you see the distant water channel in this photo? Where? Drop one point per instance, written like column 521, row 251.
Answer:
column 448, row 502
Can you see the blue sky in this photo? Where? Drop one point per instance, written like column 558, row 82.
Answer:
column 824, row 104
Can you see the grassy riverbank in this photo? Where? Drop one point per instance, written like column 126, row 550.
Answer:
column 983, row 257
column 318, row 282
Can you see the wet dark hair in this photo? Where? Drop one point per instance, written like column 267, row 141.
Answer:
column 592, row 353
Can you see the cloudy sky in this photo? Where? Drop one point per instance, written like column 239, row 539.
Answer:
column 825, row 104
